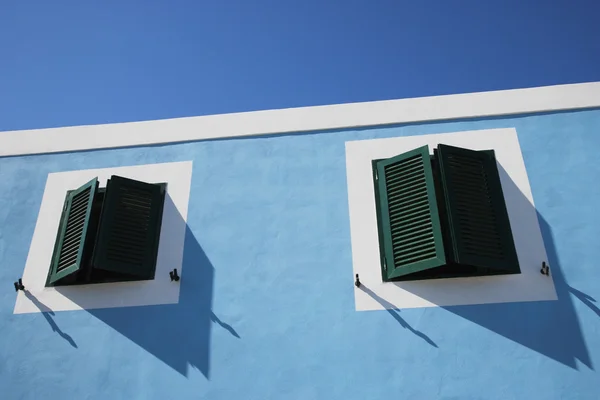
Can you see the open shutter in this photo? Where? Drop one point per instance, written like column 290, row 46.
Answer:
column 479, row 225
column 129, row 228
column 72, row 232
column 411, row 238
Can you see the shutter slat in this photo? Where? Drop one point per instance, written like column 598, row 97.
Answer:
column 479, row 226
column 410, row 233
column 413, row 231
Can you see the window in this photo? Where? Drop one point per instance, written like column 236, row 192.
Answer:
column 442, row 215
column 108, row 235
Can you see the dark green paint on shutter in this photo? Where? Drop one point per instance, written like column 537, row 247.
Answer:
column 480, row 228
column 72, row 232
column 410, row 233
column 129, row 230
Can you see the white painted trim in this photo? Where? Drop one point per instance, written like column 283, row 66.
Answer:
column 529, row 285
column 470, row 105
column 177, row 176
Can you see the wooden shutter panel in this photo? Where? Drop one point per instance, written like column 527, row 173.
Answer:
column 411, row 238
column 479, row 225
column 129, row 228
column 72, row 232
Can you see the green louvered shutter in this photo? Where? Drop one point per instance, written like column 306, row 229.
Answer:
column 480, row 229
column 129, row 229
column 72, row 232
column 410, row 233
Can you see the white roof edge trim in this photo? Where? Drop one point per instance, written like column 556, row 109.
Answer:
column 303, row 119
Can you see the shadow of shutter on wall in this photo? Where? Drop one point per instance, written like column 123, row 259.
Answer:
column 129, row 229
column 479, row 224
column 411, row 236
column 73, row 231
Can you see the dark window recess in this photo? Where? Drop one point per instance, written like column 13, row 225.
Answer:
column 108, row 235
column 442, row 215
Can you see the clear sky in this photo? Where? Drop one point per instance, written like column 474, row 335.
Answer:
column 88, row 62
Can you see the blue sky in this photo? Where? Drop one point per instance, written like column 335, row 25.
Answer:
column 82, row 62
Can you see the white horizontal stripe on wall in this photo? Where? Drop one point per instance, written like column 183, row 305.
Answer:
column 484, row 104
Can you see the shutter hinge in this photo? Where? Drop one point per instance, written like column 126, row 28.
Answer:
column 385, row 263
column 376, row 175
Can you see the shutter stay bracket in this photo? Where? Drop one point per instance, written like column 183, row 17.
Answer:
column 173, row 275
column 19, row 285
column 545, row 269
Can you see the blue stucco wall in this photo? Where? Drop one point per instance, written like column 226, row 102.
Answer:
column 267, row 305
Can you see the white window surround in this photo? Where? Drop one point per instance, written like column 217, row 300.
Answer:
column 161, row 290
column 530, row 285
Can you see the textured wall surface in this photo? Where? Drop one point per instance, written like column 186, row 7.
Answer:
column 266, row 308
